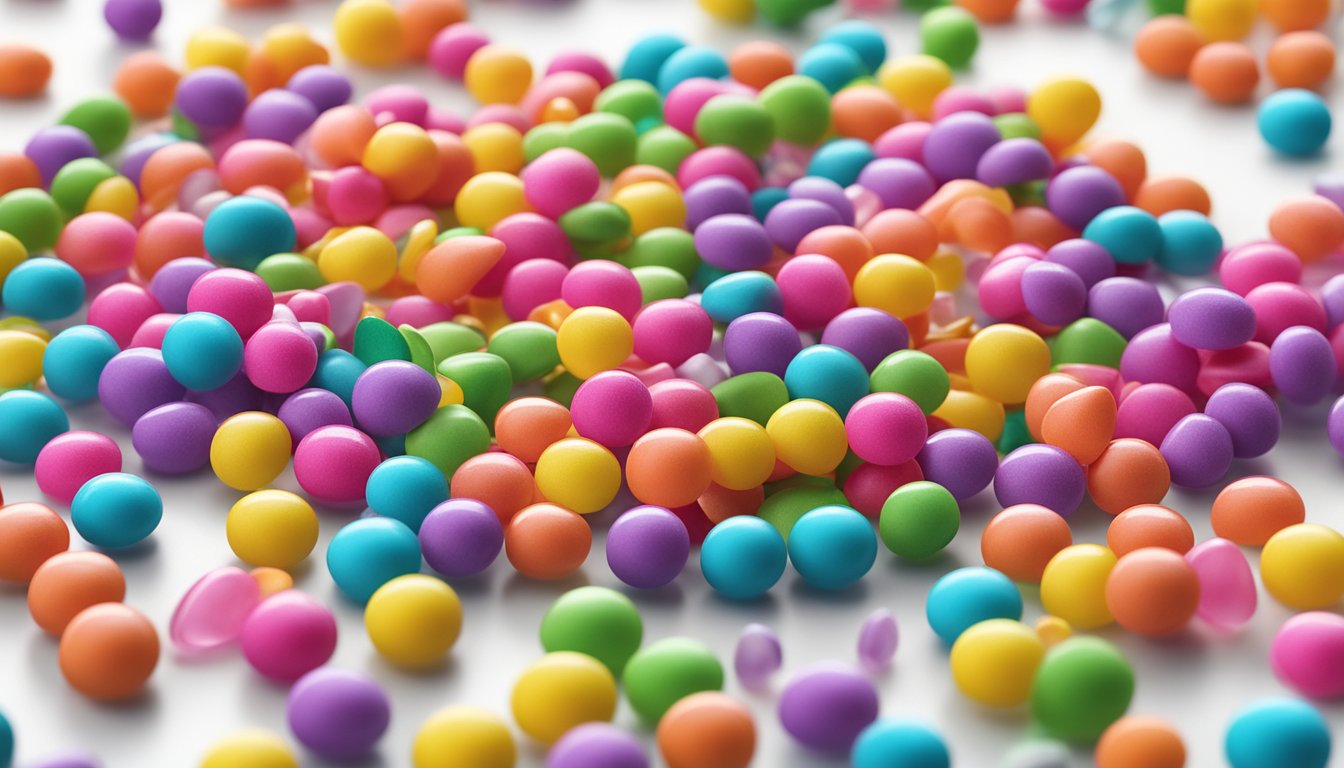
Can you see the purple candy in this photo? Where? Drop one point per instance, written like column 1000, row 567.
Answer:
column 325, row 87
column 1302, row 364
column 826, row 191
column 1053, row 293
column 1211, row 318
column 393, row 397
column 791, row 220
column 757, row 657
column 338, row 714
column 1331, row 187
column 898, row 182
column 1334, row 426
column 1090, row 261
column 597, row 745
column 51, row 148
column 1250, row 417
column 867, row 333
column 133, row 19
column 955, row 144
column 312, row 408
column 238, row 395
column 461, row 537
column 1149, row 411
column 1127, row 304
column 826, row 706
column 878, row 638
column 135, row 154
column 212, row 97
column 1198, row 450
column 278, row 115
column 134, row 382
column 1077, row 195
column 713, row 196
column 1041, row 474
column 1154, row 355
column 174, row 279
column 1332, row 298
column 174, row 439
column 961, row 460
column 1015, row 161
column 74, row 759
column 760, row 341
column 647, row 547
column 733, row 241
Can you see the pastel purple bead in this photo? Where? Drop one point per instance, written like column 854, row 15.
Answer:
column 54, row 146
column 827, row 706
column 1211, row 318
column 791, row 220
column 461, row 537
column 1302, row 365
column 898, row 182
column 878, row 638
column 757, row 657
column 133, row 19
column 1037, row 473
column 237, row 395
column 734, row 242
column 73, row 759
column 1014, row 161
column 174, row 279
column 1198, row 451
column 134, row 382
column 1053, row 293
column 597, row 745
column 1250, row 417
column 825, row 191
column 1126, row 304
column 393, row 397
column 647, row 547
column 867, row 333
column 1149, row 411
column 955, row 144
column 312, row 408
column 338, row 714
column 1334, row 426
column 1154, row 355
column 324, row 86
column 760, row 341
column 1076, row 195
column 174, row 439
column 1090, row 261
column 713, row 196
column 961, row 460
column 212, row 97
column 279, row 115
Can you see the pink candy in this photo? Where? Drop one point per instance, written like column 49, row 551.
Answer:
column 333, row 464
column 123, row 307
column 1149, row 411
column 815, row 289
column 213, row 611
column 559, row 180
column 239, row 297
column 71, row 459
column 289, row 635
column 602, row 284
column 1227, row 597
column 682, row 403
column 612, row 408
column 279, row 358
column 1254, row 264
column 672, row 331
column 97, row 243
column 886, row 428
column 1308, row 654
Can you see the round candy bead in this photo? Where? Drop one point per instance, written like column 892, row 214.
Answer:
column 661, row 674
column 1211, row 318
column 406, row 488
column 333, row 464
column 900, row 744
column 1294, row 121
column 1199, row 451
column 202, row 351
column 814, row 289
column 461, row 537
column 757, row 657
column 809, row 436
column 832, row 547
column 175, row 438
column 413, row 620
column 43, row 289
column 1082, row 686
column 886, row 428
column 32, row 534
column 1251, row 510
column 271, row 528
column 1127, row 473
column 871, row 335
column 919, row 520
column 279, row 358
column 339, row 715
column 743, row 557
column 547, row 542
column 578, row 474
column 669, row 467
column 825, row 707
column 967, row 596
column 393, row 397
column 830, row 375
column 596, row 621
column 250, row 746
column 116, row 510
column 1190, row 244
column 594, row 339
column 1021, row 540
column 1073, row 585
column 1302, row 655
column 1300, row 566
column 69, row 582
column 71, row 459
column 1040, row 474
column 993, row 662
column 707, row 728
column 366, row 554
column 1078, row 195
column 950, row 34
column 466, row 735
column 250, row 450
column 561, row 691
column 309, row 409
column 647, row 547
column 108, row 652
column 760, row 341
column 597, row 745
column 288, row 635
column 612, row 408
column 1152, row 591
column 239, row 297
column 1274, row 731
column 1143, row 740
column 1004, row 360
column 1302, row 365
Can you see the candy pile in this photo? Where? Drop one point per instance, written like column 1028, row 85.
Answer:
column 798, row 309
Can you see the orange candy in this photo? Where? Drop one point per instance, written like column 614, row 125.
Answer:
column 864, row 112
column 1039, row 226
column 498, row 480
column 1226, row 72
column 637, row 174
column 1129, row 472
column 547, row 542
column 719, row 503
column 421, row 20
column 527, row 426
column 759, row 63
column 1300, row 59
column 30, row 533
column 1172, row 193
column 1252, row 509
column 1149, row 525
column 1291, row 15
column 262, row 162
column 979, row 225
column 17, row 172
column 339, row 135
column 24, row 71
column 844, row 245
column 990, row 11
column 1122, row 160
column 1312, row 227
column 456, row 165
column 1020, row 540
column 167, row 236
column 68, row 583
column 669, row 467
column 1140, row 740
column 1152, row 591
column 903, row 232
column 1167, row 45
column 109, row 651
column 707, row 730
column 449, row 270
column 146, row 82
column 1044, row 394
column 167, row 168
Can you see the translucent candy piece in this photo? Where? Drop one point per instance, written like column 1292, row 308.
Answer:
column 1227, row 596
column 758, row 657
column 211, row 614
column 878, row 638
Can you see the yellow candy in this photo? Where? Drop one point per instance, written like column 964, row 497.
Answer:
column 651, row 204
column 741, row 452
column 369, row 32
column 414, row 620
column 361, row 255
column 452, row 391
column 578, row 474
column 25, row 324
column 730, row 11
column 1303, row 566
column 898, row 284
column 274, row 529
column 969, row 410
column 418, row 242
column 809, row 436
column 949, row 272
column 488, row 197
column 463, row 737
column 1053, row 630
column 594, row 339
column 249, row 450
column 1004, row 360
column 405, row 157
column 290, row 48
column 250, row 748
column 117, row 196
column 495, row 147
column 915, row 81
column 497, row 74
column 12, row 253
column 993, row 662
column 1219, row 20
column 1073, row 586
column 1065, row 109
column 22, row 356
column 562, row 690
column 217, row 47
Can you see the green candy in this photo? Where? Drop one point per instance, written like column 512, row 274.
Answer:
column 181, row 127
column 377, row 340
column 449, row 234
column 787, row 13
column 543, row 138
column 453, row 434
column 106, row 119
column 31, row 216
column 736, row 121
column 666, row 672
column 561, row 389
column 528, row 348
column 664, row 147
column 1015, row 433
column 800, row 108
column 607, row 139
column 635, row 100
column 656, row 283
column 669, row 247
column 783, row 508
column 448, row 338
column 1082, row 686
column 950, row 34
column 1029, row 193
column 1164, row 7
column 485, row 380
column 1088, row 340
column 755, row 395
column 596, row 223
column 1017, row 125
column 600, row 622
column 290, row 272
column 421, row 353
column 919, row 520
column 76, row 181
column 924, row 5
column 914, row 374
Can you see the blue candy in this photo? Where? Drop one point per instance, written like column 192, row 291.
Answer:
column 841, row 160
column 28, row 421
column 368, row 553
column 829, row 374
column 336, row 372
column 74, row 360
column 766, row 198
column 832, row 64
column 116, row 510
column 203, row 351
column 243, row 230
column 862, row 37
column 406, row 488
column 1273, row 733
column 1190, row 244
column 647, row 56
column 688, row 62
column 967, row 596
column 1294, row 121
column 743, row 557
column 43, row 288
column 832, row 547
column 1131, row 235
column 892, row 743
column 741, row 293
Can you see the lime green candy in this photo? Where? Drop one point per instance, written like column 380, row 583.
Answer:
column 669, row 247
column 636, row 100
column 919, row 520
column 597, row 621
column 106, row 119
column 656, row 283
column 736, row 121
column 32, row 217
column 1015, row 433
column 561, row 389
column 800, row 108
column 788, row 13
column 528, row 348
column 76, row 181
column 597, row 223
column 783, row 508
column 668, row 671
column 1164, row 7
column 421, row 353
column 755, row 395
column 950, row 34
column 923, row 5
column 290, row 272
column 664, row 147
column 914, row 374
column 453, row 434
column 377, row 340
column 1017, row 125
column 1029, row 193
column 449, row 234
column 1082, row 686
column 543, row 138
column 607, row 139
column 181, row 127
column 1088, row 340
column 448, row 338
column 485, row 380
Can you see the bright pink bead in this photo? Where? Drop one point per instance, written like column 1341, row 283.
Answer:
column 120, row 309
column 1248, row 363
column 815, row 289
column 587, row 63
column 310, row 307
column 1227, row 595
column 405, row 103
column 238, row 296
column 288, row 635
column 97, row 243
column 150, row 333
column 417, row 312
column 886, row 428
column 398, row 220
column 1154, row 355
column 1008, row 99
column 1149, row 411
column 683, row 404
column 905, row 140
column 333, row 464
column 961, row 98
column 1308, row 654
column 1279, row 306
column 443, row 119
column 869, row 485
column 672, row 331
column 279, row 358
column 526, row 236
column 719, row 161
column 1000, row 288
column 309, row 225
column 71, row 459
column 560, row 179
column 452, row 46
column 1065, row 7
column 1247, row 266
column 687, row 98
column 578, row 87
column 601, row 283
column 531, row 284
column 612, row 408
column 351, row 196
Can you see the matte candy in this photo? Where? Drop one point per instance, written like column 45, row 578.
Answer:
column 1040, row 474
column 338, row 714
column 825, row 707
column 288, row 635
column 1272, row 730
column 1198, row 449
column 1304, row 654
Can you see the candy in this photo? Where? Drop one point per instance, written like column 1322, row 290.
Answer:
column 707, row 728
column 1302, row 59
column 950, row 34
column 1082, row 686
column 250, row 450
column 108, row 652
column 904, row 743
column 1301, row 568
column 832, row 547
column 288, row 635
column 967, row 596
column 338, row 714
column 250, row 746
column 175, row 438
column 70, row 460
column 32, row 535
column 466, row 735
column 647, row 547
column 1149, row 525
column 1166, row 45
column 808, row 436
column 116, row 510
column 547, row 542
column 68, row 582
column 597, row 744
column 1272, row 730
column 272, row 528
column 24, row 70
column 918, row 520
column 1251, row 510
column 1294, row 121
column 1140, row 739
column 212, row 612
column 743, row 557
column 1225, row 71
column 1198, row 449
column 993, row 662
column 413, row 620
column 825, row 707
column 202, row 351
column 1073, row 585
column 366, row 554
column 877, row 641
column 661, row 674
column 1152, row 591
column 1128, row 473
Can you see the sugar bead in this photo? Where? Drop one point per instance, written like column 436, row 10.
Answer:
column 1251, row 510
column 1040, row 474
column 668, row 467
column 597, row 745
column 1270, row 731
column 967, row 596
column 647, row 547
column 1211, row 318
column 596, row 621
column 707, row 727
column 33, row 534
column 825, row 707
column 919, row 520
column 116, row 510
column 1155, row 356
column 338, row 714
column 1301, row 654
column 993, row 662
column 743, row 557
column 1300, row 568
column 71, row 459
column 460, row 537
column 1199, row 451
column 250, row 746
column 43, row 289
column 108, row 652
column 1064, row 694
column 1077, row 195
column 1302, row 365
column 28, row 421
column 960, row 460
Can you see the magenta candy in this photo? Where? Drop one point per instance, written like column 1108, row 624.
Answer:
column 1040, row 474
column 1149, row 411
column 956, row 143
column 1302, row 365
column 453, row 46
column 868, row 333
column 151, row 332
column 877, row 640
column 1053, row 293
column 869, row 485
column 814, row 288
column 526, row 236
column 240, row 297
column 719, row 161
column 1279, row 306
column 733, row 242
column 337, row 714
column 400, row 102
column 898, row 182
column 461, row 537
column 531, row 284
column 758, row 657
column 647, row 547
column 683, row 404
column 1087, row 259
column 394, row 397
column 1245, row 267
column 1015, row 161
column 73, row 458
column 612, row 408
column 120, row 309
column 1211, row 318
column 333, row 464
column 961, row 460
column 580, row 61
column 1154, row 355
column 310, row 409
column 1248, row 363
column 826, row 706
column 1065, row 7
column 1334, row 426
column 560, row 179
column 761, row 341
column 212, row 612
column 350, row 196
column 288, row 635
column 1076, row 195
column 1000, row 288
column 134, row 382
column 961, row 98
column 1227, row 596
column 1198, row 451
column 905, row 141
column 712, row 197
column 672, row 331
column 174, row 439
column 417, row 312
column 886, row 428
column 683, row 103
column 279, row 358
column 600, row 283
column 1308, row 654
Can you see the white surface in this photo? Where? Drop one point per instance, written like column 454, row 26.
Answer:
column 1197, row 680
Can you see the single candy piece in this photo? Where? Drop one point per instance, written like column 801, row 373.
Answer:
column 414, row 620
column 960, row 460
column 367, row 553
column 1152, row 591
column 1129, row 472
column 332, row 464
column 250, row 746
column 647, row 547
column 1022, row 539
column 1302, row 365
column 1199, row 451
column 877, row 641
column 1149, row 525
column 116, row 510
column 109, row 651
column 1305, row 654
column 1211, row 318
column 1140, row 740
column 596, row 621
column 1294, row 121
column 32, row 534
column 175, row 438
column 707, row 728
column 71, row 459
column 1073, row 585
column 967, row 596
column 892, row 742
column 212, row 612
column 1040, row 474
column 1227, row 595
column 919, row 520
column 832, row 547
column 993, row 662
column 743, row 557
column 394, row 397
column 757, row 657
column 1272, row 732
column 1301, row 566
column 825, row 707
column 271, row 528
column 466, row 735
column 1081, row 423
column 597, row 745
column 659, row 675
column 202, row 351
column 339, row 715
column 1082, row 686
column 67, row 583
column 1251, row 510
column 547, row 542
column 288, row 635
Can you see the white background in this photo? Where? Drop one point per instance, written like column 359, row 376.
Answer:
column 1197, row 680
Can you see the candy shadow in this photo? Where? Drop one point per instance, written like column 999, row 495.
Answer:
column 852, row 595
column 667, row 596
column 436, row 673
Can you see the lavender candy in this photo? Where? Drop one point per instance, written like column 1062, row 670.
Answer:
column 961, row 460
column 278, row 115
column 1053, row 293
column 878, row 638
column 1302, row 365
column 1334, row 426
column 1154, row 355
column 758, row 657
column 52, row 147
column 461, row 537
column 1250, row 417
column 1127, row 304
column 597, row 745
column 1077, row 195
column 1198, row 450
column 1014, row 161
column 309, row 409
column 760, row 341
column 1090, row 261
column 135, row 154
column 325, row 87
column 73, row 759
column 647, row 547
column 955, row 144
column 133, row 19
column 898, row 182
column 134, row 382
column 733, row 241
column 173, row 281
column 867, row 333
column 212, row 97
column 174, row 439
column 827, row 706
column 1041, row 474
column 713, row 196
column 791, row 220
column 1211, row 318
column 238, row 395
column 339, row 715
column 825, row 191
column 393, row 397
